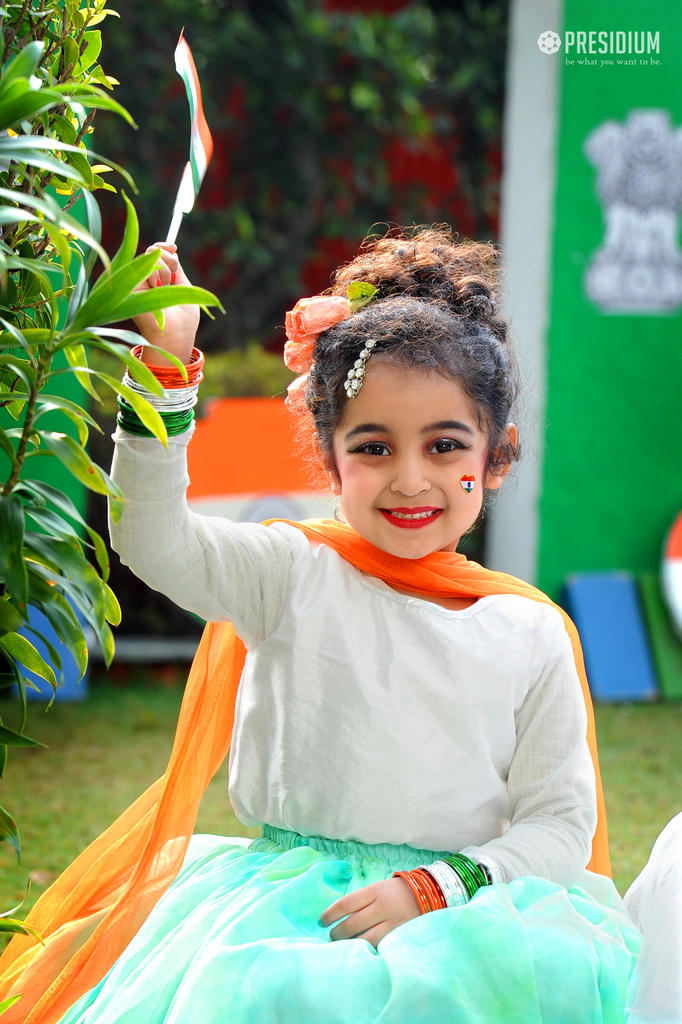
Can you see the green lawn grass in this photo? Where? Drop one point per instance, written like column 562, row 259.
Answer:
column 103, row 753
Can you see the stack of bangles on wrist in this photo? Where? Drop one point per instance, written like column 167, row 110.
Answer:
column 175, row 407
column 450, row 882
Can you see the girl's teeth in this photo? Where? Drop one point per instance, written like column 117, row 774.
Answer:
column 415, row 515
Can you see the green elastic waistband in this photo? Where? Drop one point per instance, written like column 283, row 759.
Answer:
column 397, row 858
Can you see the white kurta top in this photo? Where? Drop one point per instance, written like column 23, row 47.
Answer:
column 366, row 714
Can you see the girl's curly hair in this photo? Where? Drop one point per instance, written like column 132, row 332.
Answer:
column 436, row 309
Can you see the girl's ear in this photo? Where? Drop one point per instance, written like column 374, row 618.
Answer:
column 500, row 464
column 332, row 474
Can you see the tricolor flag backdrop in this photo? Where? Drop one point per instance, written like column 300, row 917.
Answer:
column 591, row 200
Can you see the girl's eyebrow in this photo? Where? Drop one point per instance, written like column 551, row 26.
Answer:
column 378, row 428
column 366, row 428
column 448, row 425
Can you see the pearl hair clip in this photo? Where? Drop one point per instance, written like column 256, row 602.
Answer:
column 353, row 381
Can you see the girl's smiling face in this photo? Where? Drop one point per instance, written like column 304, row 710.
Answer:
column 401, row 449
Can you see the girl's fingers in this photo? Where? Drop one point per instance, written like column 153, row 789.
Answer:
column 349, row 904
column 168, row 270
column 375, row 935
column 357, row 924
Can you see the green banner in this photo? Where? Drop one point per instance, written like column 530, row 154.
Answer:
column 611, row 478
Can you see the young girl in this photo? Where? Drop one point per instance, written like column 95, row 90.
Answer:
column 398, row 705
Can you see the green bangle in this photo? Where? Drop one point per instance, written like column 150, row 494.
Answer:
column 175, row 422
column 473, row 876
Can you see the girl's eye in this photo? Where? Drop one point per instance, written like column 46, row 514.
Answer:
column 371, row 448
column 446, row 444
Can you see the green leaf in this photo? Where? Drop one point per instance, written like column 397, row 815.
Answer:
column 76, row 357
column 8, row 913
column 65, row 557
column 13, row 215
column 18, row 927
column 51, row 522
column 26, row 104
column 155, row 299
column 144, row 410
column 113, row 608
column 72, row 170
column 9, row 833
column 6, row 444
column 12, row 564
column 62, row 246
column 25, row 653
column 80, row 600
column 136, row 339
column 52, row 210
column 92, row 96
column 3, row 759
column 79, row 463
column 139, row 370
column 61, row 617
column 53, row 653
column 10, row 619
column 360, row 293
column 46, row 492
column 22, row 66
column 112, row 289
column 11, row 1000
column 131, row 236
column 94, row 227
column 21, row 367
column 17, row 739
column 92, row 50
column 75, row 412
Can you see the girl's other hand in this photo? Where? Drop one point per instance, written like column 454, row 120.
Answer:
column 180, row 322
column 372, row 912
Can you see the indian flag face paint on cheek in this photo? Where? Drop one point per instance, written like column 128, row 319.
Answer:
column 467, row 483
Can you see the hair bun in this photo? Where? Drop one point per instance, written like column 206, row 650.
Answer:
column 475, row 295
column 428, row 263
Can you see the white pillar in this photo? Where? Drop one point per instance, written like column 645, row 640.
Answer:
column 526, row 228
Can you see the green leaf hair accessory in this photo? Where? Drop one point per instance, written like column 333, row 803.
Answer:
column 360, row 293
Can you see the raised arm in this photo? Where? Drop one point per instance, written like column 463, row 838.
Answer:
column 217, row 569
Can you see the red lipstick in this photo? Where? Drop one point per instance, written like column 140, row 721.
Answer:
column 411, row 518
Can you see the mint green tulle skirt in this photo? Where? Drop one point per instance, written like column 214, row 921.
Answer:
column 236, row 940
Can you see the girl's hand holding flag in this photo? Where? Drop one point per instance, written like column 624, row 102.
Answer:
column 180, row 322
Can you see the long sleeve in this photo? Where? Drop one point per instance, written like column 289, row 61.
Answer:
column 551, row 783
column 217, row 569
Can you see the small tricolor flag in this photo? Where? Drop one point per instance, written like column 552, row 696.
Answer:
column 201, row 143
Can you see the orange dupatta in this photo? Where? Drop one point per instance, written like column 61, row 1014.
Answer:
column 93, row 910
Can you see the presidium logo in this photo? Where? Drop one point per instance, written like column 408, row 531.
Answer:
column 596, row 42
column 549, row 42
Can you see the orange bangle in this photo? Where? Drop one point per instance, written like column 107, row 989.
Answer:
column 433, row 891
column 170, row 376
column 419, row 894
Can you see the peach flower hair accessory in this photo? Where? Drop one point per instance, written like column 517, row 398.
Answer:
column 306, row 321
column 295, row 400
column 311, row 316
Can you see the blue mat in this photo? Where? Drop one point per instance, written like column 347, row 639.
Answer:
column 71, row 689
column 605, row 607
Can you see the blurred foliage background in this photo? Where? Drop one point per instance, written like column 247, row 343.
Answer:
column 330, row 118
column 327, row 118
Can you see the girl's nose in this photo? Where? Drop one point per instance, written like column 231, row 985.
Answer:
column 410, row 478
